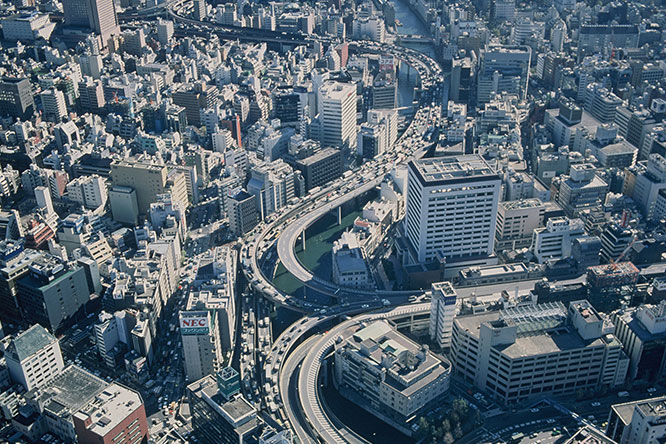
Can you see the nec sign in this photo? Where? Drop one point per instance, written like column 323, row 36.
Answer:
column 194, row 326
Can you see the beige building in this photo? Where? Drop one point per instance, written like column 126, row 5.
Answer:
column 528, row 352
column 516, row 221
column 149, row 180
column 387, row 373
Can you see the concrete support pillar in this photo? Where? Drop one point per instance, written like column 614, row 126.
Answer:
column 339, row 215
column 303, row 239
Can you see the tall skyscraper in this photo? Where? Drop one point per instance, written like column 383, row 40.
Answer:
column 338, row 114
column 97, row 15
column 452, row 209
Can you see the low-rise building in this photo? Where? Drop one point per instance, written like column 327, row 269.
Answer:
column 220, row 416
column 349, row 266
column 115, row 415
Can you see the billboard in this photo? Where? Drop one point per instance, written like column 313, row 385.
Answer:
column 194, row 325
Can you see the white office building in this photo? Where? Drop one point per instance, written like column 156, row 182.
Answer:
column 338, row 114
column 638, row 422
column 452, row 209
column 554, row 241
column 34, row 358
column 109, row 331
column 442, row 311
column 531, row 351
column 53, row 104
column 89, row 191
column 388, row 374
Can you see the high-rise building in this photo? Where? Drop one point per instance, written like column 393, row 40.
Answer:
column 14, row 261
column 41, row 293
column 581, row 190
column 43, row 198
column 338, row 114
column 16, row 98
column 99, row 16
column 89, row 191
column 321, row 168
column 648, row 184
column 53, row 104
column 615, row 238
column 202, row 351
column 273, row 184
column 148, row 180
column 503, row 70
column 516, row 221
column 385, row 90
column 111, row 330
column 241, row 208
column 452, row 209
column 34, row 358
column 164, row 31
column 555, row 239
column 495, row 349
column 91, row 95
column 124, row 206
column 461, row 79
column 442, row 311
column 199, row 9
column 503, row 10
column 371, row 140
column 642, row 332
column 194, row 98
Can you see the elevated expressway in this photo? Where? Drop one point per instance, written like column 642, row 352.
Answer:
column 286, row 226
column 313, row 206
column 298, row 376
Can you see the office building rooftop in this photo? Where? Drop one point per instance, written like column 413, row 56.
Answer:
column 452, row 169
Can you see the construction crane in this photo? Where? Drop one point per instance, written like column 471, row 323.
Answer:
column 626, row 250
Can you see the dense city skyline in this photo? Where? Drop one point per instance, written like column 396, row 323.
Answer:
column 352, row 221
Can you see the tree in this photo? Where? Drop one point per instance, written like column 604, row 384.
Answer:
column 461, row 407
column 457, row 432
column 446, row 426
column 424, row 427
column 448, row 438
column 454, row 419
column 438, row 433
